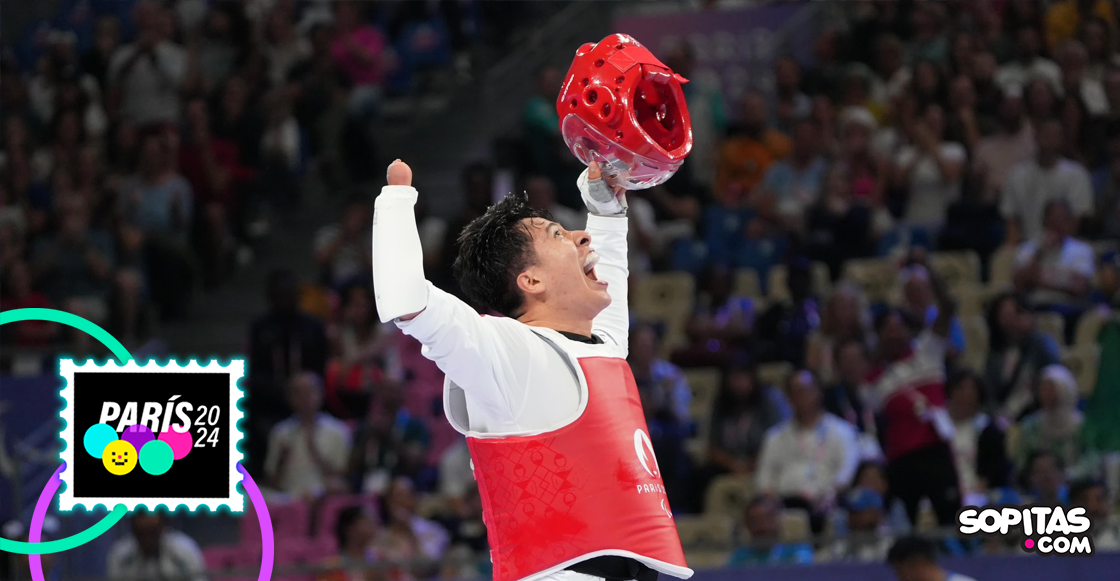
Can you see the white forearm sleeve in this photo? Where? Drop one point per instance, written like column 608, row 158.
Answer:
column 398, row 259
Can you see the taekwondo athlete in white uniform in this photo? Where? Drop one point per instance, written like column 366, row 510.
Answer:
column 570, row 486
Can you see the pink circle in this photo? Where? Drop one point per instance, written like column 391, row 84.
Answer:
column 180, row 442
column 1029, row 543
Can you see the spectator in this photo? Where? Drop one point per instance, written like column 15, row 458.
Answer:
column 465, row 524
column 212, row 168
column 1029, row 63
column 282, row 343
column 744, row 410
column 1057, row 269
column 1056, row 426
column 281, row 147
column 1097, row 37
column 749, row 150
column 919, row 302
column 847, row 398
column 159, row 203
column 720, row 329
column 283, row 47
column 542, row 195
column 358, row 51
column 790, row 103
column 840, row 225
column 236, row 119
column 307, row 452
column 709, row 117
column 1011, row 144
column 145, row 77
column 929, row 170
column 355, row 531
column 807, row 459
column 785, row 327
column 927, row 24
column 978, row 440
column 19, row 294
column 222, row 32
column 342, row 250
column 1044, row 479
column 106, row 41
column 405, row 535
column 795, row 184
column 1073, row 59
column 74, row 266
column 1106, row 185
column 1064, row 17
column 761, row 519
column 153, row 551
column 846, row 318
column 868, row 538
column 1033, row 183
column 865, row 170
column 1093, row 495
column 363, row 354
column 390, row 443
column 909, row 392
column 456, row 476
column 915, row 559
column 1017, row 354
column 542, row 123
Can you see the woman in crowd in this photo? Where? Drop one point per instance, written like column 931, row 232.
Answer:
column 1056, row 426
column 744, row 410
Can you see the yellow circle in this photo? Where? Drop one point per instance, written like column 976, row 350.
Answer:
column 119, row 457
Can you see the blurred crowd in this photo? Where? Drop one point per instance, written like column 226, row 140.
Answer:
column 873, row 295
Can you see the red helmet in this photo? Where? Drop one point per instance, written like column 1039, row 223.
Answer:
column 622, row 107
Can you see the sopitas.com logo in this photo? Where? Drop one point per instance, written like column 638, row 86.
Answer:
column 1046, row 530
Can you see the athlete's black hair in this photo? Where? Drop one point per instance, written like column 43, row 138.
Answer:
column 493, row 249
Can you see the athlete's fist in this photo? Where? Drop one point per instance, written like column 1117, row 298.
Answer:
column 399, row 174
column 599, row 192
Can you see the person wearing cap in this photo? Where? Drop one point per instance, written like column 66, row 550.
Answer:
column 868, row 538
column 1056, row 426
column 915, row 559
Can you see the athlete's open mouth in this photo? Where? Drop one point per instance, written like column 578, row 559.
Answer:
column 589, row 263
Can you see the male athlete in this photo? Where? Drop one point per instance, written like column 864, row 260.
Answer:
column 570, row 486
column 559, row 445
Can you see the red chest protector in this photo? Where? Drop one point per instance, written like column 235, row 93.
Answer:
column 588, row 489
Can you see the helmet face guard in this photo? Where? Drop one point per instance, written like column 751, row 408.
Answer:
column 625, row 109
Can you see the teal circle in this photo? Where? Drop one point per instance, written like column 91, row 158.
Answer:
column 97, row 437
column 156, row 457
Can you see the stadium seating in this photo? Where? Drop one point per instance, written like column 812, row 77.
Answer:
column 728, row 495
column 875, row 276
column 777, row 287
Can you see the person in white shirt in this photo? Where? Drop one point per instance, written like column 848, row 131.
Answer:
column 1029, row 63
column 148, row 74
column 809, row 458
column 520, row 376
column 307, row 452
column 929, row 169
column 915, row 559
column 1011, row 144
column 1048, row 176
column 153, row 552
column 1056, row 267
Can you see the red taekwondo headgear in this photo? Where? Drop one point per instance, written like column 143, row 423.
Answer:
column 622, row 107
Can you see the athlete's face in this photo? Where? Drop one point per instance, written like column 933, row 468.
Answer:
column 560, row 277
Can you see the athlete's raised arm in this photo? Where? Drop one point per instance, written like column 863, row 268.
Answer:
column 607, row 224
column 475, row 352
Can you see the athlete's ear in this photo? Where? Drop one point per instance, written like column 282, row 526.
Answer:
column 529, row 282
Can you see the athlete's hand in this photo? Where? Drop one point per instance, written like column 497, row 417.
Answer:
column 601, row 195
column 399, row 174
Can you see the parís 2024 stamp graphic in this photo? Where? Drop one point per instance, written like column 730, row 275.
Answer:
column 151, row 434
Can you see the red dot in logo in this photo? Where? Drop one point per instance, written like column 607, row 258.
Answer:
column 1029, row 543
